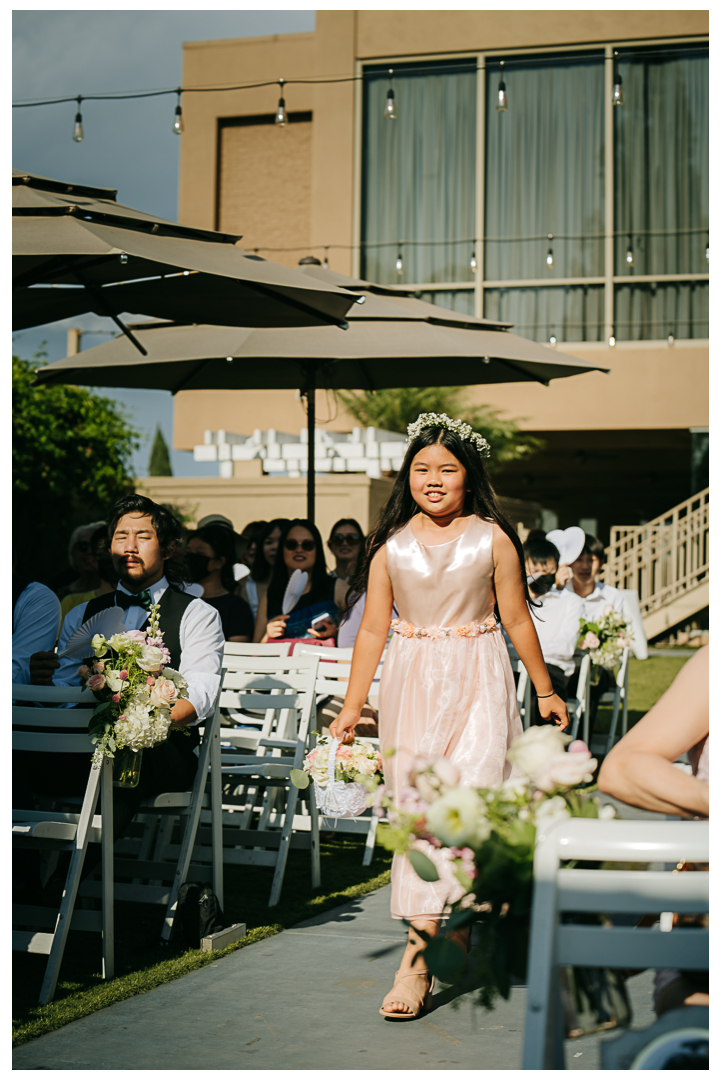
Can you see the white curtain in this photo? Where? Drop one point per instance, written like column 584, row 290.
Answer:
column 569, row 312
column 419, row 174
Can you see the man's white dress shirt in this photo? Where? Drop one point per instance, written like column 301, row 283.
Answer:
column 36, row 621
column 201, row 641
column 557, row 624
column 594, row 605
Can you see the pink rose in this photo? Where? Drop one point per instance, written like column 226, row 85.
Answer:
column 98, row 667
column 116, row 698
column 446, row 772
column 578, row 747
column 566, row 770
column 96, row 682
column 136, row 635
column 123, row 674
column 608, row 609
column 150, row 680
column 163, row 694
column 84, row 671
column 590, row 641
column 343, row 752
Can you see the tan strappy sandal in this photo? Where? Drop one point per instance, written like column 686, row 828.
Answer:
column 407, row 996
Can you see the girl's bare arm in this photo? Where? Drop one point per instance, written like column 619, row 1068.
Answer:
column 639, row 770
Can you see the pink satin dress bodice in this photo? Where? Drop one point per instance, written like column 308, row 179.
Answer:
column 447, row 687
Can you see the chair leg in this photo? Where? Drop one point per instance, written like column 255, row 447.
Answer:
column 370, row 841
column 284, row 846
column 186, row 849
column 108, row 885
column 216, row 817
column 613, row 725
column 72, row 881
column 314, row 838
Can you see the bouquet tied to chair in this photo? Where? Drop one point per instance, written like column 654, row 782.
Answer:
column 484, row 838
column 605, row 638
column 136, row 689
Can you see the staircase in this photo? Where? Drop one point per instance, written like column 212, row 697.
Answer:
column 666, row 560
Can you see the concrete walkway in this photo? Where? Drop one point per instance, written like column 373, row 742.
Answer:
column 305, row 999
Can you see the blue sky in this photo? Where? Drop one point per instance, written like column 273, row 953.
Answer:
column 128, row 145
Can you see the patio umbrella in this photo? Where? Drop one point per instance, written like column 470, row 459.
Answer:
column 75, row 249
column 392, row 341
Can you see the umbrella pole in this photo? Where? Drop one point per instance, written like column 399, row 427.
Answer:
column 310, row 395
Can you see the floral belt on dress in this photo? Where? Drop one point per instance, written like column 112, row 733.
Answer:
column 473, row 629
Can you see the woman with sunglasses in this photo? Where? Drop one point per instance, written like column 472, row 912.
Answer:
column 346, row 542
column 300, row 548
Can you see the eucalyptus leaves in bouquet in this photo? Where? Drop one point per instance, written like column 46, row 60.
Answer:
column 487, row 836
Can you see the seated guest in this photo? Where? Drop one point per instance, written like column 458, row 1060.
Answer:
column 143, row 537
column 80, row 556
column 346, row 542
column 251, row 535
column 253, row 587
column 302, row 549
column 36, row 621
column 557, row 620
column 639, row 770
column 209, row 557
column 596, row 596
column 100, row 550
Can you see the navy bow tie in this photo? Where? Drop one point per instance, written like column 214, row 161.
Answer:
column 142, row 599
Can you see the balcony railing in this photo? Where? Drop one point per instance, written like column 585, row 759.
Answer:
column 665, row 559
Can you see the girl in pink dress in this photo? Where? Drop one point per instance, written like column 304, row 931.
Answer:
column 445, row 554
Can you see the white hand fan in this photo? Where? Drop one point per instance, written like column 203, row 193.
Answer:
column 295, row 589
column 108, row 622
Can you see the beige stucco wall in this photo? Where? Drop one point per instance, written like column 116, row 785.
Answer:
column 650, row 387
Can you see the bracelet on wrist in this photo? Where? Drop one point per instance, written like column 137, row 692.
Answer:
column 546, row 695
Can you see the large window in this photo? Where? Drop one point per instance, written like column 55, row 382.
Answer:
column 594, row 217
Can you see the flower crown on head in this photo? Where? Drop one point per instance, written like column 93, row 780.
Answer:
column 461, row 429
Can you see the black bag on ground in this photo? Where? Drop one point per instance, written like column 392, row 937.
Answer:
column 198, row 913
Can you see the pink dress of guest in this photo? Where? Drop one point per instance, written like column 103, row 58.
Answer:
column 447, row 687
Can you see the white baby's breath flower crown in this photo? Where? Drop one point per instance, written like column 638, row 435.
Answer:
column 463, row 430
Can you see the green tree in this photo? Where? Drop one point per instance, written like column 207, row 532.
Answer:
column 394, row 409
column 159, row 456
column 72, row 458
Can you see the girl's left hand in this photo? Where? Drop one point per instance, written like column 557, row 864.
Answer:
column 554, row 708
column 328, row 628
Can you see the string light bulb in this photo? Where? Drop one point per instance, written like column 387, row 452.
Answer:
column 399, row 263
column 473, row 263
column 671, row 339
column 629, row 257
column 553, row 339
column 502, row 102
column 549, row 258
column 617, row 92
column 178, row 125
column 611, row 341
column 390, row 106
column 707, row 250
column 123, row 259
column 326, row 261
column 281, row 115
column 78, row 133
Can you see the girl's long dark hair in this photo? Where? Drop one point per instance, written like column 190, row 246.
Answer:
column 280, row 576
column 222, row 541
column 262, row 569
column 401, row 507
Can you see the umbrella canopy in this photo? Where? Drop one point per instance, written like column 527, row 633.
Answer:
column 75, row 250
column 392, row 340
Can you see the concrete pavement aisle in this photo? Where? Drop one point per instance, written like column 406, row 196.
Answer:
column 305, row 999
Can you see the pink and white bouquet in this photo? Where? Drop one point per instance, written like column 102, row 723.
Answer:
column 136, row 688
column 485, row 839
column 605, row 638
column 356, row 761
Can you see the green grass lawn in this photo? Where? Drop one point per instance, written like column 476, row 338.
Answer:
column 141, row 963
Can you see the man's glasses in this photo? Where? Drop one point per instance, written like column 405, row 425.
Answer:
column 306, row 545
column 345, row 538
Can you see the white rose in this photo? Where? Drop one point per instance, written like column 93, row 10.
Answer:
column 447, row 773
column 150, row 659
column 118, row 642
column 551, row 810
column 565, row 771
column 113, row 680
column 98, row 644
column 458, row 818
column 534, row 748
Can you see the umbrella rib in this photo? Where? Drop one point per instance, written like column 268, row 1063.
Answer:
column 521, row 370
column 273, row 294
column 193, row 373
column 107, row 310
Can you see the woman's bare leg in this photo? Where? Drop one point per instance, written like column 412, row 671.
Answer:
column 409, row 965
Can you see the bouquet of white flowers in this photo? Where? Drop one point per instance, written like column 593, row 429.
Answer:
column 605, row 638
column 488, row 837
column 137, row 690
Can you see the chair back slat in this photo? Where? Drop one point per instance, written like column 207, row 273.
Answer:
column 234, row 649
column 53, row 694
column 25, row 715
column 52, row 742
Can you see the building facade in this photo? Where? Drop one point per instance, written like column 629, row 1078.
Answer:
column 510, row 183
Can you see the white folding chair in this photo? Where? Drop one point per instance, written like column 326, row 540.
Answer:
column 251, row 648
column 578, row 707
column 283, row 690
column 159, row 868
column 333, row 675
column 52, row 729
column 558, row 890
column 618, row 698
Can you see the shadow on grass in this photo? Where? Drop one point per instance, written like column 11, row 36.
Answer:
column 141, row 963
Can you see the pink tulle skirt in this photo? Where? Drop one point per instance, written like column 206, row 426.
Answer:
column 453, row 698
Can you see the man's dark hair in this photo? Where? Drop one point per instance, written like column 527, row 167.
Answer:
column 540, row 550
column 593, row 546
column 168, row 528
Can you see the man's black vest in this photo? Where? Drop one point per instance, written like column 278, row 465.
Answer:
column 173, row 605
